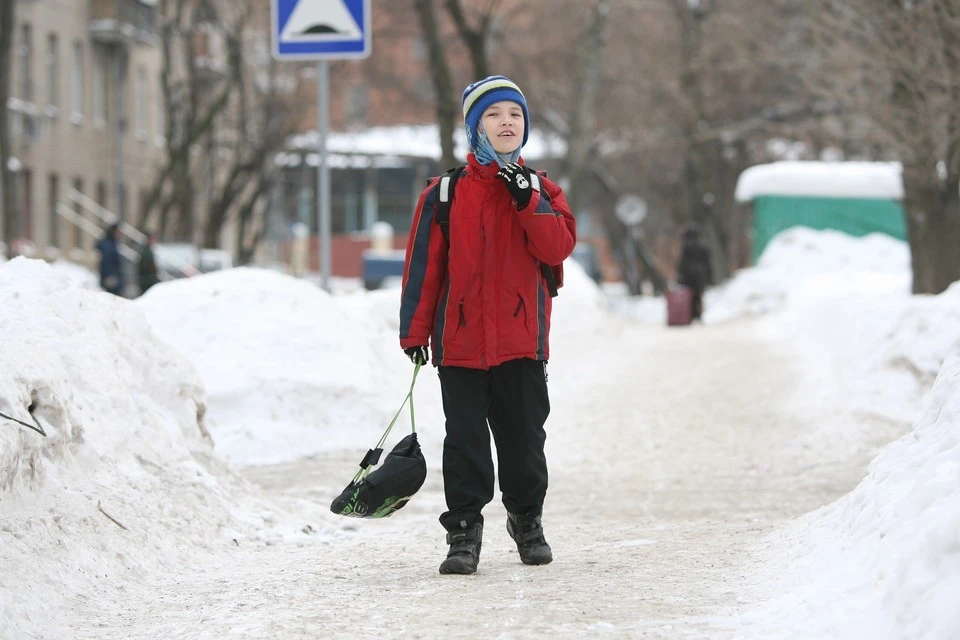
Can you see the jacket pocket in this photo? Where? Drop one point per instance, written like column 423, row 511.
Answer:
column 522, row 313
column 464, row 339
column 456, row 318
column 514, row 333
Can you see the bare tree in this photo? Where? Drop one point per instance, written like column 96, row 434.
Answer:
column 11, row 218
column 475, row 37
column 191, row 108
column 701, row 157
column 442, row 82
column 897, row 64
column 258, row 124
column 582, row 119
column 674, row 111
column 225, row 95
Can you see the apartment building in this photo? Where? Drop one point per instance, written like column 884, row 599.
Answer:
column 87, row 112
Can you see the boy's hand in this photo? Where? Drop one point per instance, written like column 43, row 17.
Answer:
column 418, row 355
column 517, row 178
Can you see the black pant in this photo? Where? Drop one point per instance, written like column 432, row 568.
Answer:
column 513, row 398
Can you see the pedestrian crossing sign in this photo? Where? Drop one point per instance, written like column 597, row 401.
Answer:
column 320, row 29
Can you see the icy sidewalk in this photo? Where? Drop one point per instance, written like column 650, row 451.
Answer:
column 662, row 468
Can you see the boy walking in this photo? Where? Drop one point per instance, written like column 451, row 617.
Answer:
column 478, row 292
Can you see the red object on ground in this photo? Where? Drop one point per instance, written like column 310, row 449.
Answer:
column 679, row 306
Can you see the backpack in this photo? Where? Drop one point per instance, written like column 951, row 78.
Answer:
column 446, row 184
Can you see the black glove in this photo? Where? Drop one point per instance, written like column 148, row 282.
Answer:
column 418, row 355
column 518, row 182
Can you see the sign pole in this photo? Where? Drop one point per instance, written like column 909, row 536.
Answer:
column 322, row 31
column 323, row 174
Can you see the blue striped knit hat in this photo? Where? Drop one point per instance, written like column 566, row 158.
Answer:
column 478, row 96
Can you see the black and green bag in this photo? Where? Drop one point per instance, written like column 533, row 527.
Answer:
column 382, row 492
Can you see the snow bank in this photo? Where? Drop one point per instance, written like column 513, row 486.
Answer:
column 880, row 351
column 797, row 261
column 78, row 274
column 884, row 561
column 578, row 309
column 800, row 259
column 822, row 179
column 289, row 370
column 844, row 305
column 124, row 414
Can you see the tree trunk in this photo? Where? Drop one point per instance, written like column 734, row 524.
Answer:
column 581, row 120
column 691, row 91
column 933, row 227
column 474, row 39
column 257, row 210
column 702, row 159
column 624, row 252
column 442, row 84
column 8, row 205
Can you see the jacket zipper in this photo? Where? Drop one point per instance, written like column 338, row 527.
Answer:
column 519, row 306
column 463, row 318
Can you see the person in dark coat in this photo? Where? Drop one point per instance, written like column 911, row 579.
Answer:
column 111, row 273
column 147, row 275
column 694, row 270
column 480, row 298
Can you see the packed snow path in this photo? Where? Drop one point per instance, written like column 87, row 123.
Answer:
column 681, row 449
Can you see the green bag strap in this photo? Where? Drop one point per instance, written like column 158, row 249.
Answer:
column 373, row 455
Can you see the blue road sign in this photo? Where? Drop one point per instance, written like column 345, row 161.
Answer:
column 321, row 29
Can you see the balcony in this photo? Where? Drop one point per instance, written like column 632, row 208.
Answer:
column 123, row 21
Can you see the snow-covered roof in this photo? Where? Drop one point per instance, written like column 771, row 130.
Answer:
column 414, row 141
column 824, row 179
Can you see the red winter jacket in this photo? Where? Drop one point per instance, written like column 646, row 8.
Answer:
column 484, row 300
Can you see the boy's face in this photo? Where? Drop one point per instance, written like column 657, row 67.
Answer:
column 503, row 123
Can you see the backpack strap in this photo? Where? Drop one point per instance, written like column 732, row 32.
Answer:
column 445, row 185
column 546, row 269
column 547, row 272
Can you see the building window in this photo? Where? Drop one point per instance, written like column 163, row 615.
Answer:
column 53, row 70
column 78, row 187
column 121, row 209
column 26, row 63
column 26, row 204
column 140, row 105
column 76, row 84
column 102, row 194
column 53, row 198
column 99, row 89
column 145, row 17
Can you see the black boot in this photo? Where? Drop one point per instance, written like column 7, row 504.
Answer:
column 464, row 554
column 527, row 532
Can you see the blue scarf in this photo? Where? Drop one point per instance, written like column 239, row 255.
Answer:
column 486, row 154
